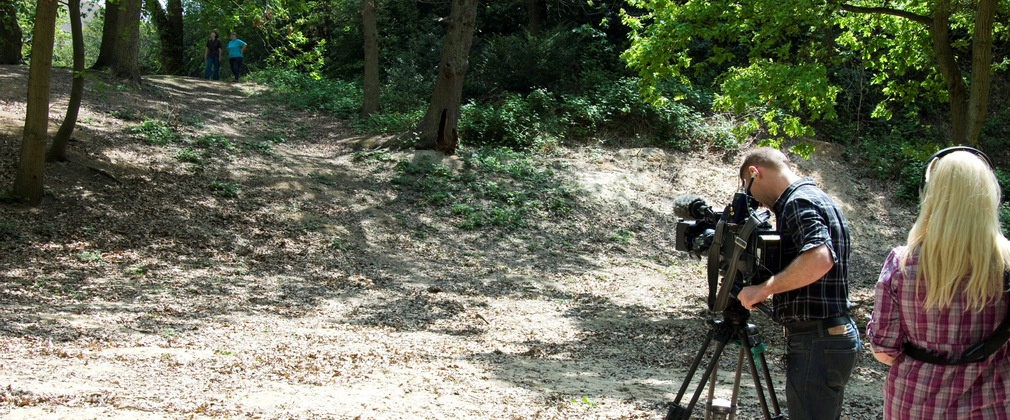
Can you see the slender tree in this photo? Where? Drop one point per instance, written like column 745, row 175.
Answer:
column 107, row 51
column 10, row 34
column 537, row 12
column 58, row 150
column 127, row 62
column 438, row 128
column 168, row 22
column 370, row 102
column 29, row 179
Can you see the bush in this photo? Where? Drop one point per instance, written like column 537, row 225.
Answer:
column 540, row 118
column 304, row 91
column 154, row 132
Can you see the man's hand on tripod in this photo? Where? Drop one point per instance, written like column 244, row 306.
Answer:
column 807, row 268
column 752, row 295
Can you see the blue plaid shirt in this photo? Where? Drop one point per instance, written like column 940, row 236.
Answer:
column 807, row 218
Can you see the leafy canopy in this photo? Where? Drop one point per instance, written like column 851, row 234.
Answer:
column 771, row 58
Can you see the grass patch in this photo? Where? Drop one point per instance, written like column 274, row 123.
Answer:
column 156, row 133
column 497, row 188
column 225, row 189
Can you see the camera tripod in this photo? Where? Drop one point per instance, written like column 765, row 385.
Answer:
column 734, row 326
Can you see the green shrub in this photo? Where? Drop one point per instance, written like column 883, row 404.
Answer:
column 189, row 156
column 540, row 118
column 225, row 188
column 213, row 141
column 307, row 92
column 1004, row 218
column 392, row 122
column 156, row 133
column 495, row 188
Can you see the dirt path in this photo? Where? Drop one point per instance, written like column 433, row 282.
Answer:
column 273, row 272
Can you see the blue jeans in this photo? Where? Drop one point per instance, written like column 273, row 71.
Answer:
column 215, row 63
column 818, row 366
column 236, row 66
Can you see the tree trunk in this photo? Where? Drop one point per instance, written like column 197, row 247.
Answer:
column 537, row 12
column 174, row 9
column 438, row 128
column 58, row 150
column 10, row 34
column 127, row 62
column 370, row 102
column 957, row 93
column 107, row 51
column 981, row 69
column 28, row 182
column 169, row 35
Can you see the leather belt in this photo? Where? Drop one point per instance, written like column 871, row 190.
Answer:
column 816, row 325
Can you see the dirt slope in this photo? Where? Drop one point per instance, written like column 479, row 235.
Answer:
column 287, row 277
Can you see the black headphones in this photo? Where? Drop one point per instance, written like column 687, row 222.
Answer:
column 936, row 156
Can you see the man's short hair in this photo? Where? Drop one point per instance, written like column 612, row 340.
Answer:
column 766, row 157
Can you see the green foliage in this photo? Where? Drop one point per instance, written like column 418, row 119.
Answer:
column 189, row 156
column 260, row 146
column 1004, row 218
column 773, row 61
column 540, row 119
column 392, row 122
column 304, row 91
column 225, row 188
column 522, row 62
column 156, row 133
column 495, row 188
column 213, row 141
column 299, row 54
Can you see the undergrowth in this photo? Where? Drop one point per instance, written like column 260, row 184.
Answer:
column 494, row 188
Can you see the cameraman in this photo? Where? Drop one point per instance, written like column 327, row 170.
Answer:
column 811, row 295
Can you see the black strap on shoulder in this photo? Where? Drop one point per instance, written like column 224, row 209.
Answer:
column 973, row 354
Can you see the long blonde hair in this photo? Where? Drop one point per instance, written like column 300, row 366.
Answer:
column 957, row 234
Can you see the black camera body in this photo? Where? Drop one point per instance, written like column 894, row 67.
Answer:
column 740, row 243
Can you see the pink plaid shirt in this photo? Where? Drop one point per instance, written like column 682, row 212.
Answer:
column 918, row 390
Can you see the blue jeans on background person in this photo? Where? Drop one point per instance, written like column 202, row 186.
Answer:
column 236, row 66
column 215, row 63
column 818, row 366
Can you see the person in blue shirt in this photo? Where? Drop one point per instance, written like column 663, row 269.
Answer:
column 235, row 49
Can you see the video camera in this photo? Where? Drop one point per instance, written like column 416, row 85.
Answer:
column 740, row 243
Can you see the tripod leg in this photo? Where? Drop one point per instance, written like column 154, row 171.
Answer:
column 694, row 368
column 736, row 383
column 771, row 387
column 712, row 364
column 757, row 379
column 711, row 392
column 680, row 413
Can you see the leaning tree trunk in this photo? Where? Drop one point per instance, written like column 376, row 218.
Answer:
column 370, row 88
column 28, row 182
column 10, row 34
column 58, row 150
column 127, row 62
column 981, row 69
column 438, row 128
column 110, row 30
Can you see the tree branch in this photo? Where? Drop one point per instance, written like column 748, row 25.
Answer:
column 925, row 20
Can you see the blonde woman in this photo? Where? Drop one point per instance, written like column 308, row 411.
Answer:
column 944, row 292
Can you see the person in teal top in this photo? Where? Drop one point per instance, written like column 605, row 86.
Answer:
column 235, row 49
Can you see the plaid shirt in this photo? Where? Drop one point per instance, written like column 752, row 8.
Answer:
column 919, row 390
column 808, row 218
